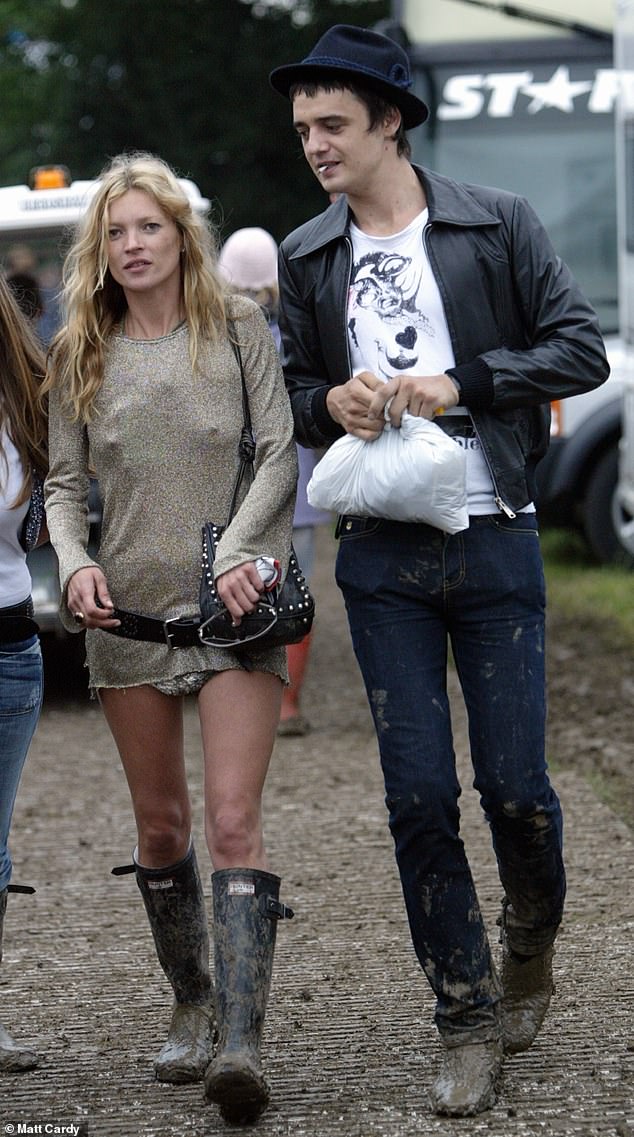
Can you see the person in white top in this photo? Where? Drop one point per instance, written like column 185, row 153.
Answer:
column 23, row 464
column 414, row 292
column 248, row 261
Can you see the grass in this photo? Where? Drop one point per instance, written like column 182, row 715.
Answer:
column 579, row 588
column 600, row 599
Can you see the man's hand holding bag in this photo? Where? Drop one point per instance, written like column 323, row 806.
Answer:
column 415, row 473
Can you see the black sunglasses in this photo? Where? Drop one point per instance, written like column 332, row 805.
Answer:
column 220, row 631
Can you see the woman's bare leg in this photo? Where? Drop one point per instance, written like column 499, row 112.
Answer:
column 239, row 712
column 147, row 727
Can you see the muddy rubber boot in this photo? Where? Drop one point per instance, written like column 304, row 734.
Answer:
column 13, row 1057
column 246, row 911
column 467, row 1082
column 527, row 982
column 175, row 905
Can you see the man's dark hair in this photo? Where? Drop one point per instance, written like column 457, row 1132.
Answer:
column 376, row 106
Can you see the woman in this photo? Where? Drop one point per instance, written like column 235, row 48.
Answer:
column 23, row 462
column 145, row 391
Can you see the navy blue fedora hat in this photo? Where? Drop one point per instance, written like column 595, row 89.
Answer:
column 352, row 53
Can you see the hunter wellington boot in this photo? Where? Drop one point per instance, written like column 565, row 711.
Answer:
column 13, row 1058
column 246, row 911
column 175, row 905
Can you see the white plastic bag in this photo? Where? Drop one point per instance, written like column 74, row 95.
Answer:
column 414, row 473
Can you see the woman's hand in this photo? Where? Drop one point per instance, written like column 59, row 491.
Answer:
column 239, row 589
column 88, row 599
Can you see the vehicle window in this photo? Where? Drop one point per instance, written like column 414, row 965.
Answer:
column 564, row 163
column 32, row 264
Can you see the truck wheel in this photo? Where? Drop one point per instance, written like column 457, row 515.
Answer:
column 599, row 512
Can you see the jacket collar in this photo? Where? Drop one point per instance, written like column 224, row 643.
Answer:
column 448, row 201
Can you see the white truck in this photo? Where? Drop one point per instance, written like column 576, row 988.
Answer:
column 523, row 97
column 37, row 222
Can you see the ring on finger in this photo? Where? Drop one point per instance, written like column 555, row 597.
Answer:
column 78, row 617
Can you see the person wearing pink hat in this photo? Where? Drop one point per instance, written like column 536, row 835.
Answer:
column 248, row 260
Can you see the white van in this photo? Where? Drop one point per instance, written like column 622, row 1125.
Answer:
column 36, row 228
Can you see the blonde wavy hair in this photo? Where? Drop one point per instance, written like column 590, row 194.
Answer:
column 94, row 303
column 22, row 412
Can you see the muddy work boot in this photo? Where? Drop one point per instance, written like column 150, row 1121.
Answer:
column 527, row 982
column 13, row 1057
column 246, row 911
column 175, row 906
column 467, row 1082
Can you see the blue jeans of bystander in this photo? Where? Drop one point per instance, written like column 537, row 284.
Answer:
column 410, row 592
column 20, row 704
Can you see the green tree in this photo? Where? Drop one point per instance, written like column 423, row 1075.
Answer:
column 187, row 79
column 24, row 82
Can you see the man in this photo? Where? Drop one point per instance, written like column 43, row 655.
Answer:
column 414, row 292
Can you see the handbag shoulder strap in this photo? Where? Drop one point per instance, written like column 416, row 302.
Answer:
column 246, row 412
column 246, row 445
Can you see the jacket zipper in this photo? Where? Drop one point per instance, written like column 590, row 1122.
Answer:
column 502, row 506
column 499, row 501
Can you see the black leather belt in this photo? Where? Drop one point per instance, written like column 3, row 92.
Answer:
column 183, row 631
column 17, row 623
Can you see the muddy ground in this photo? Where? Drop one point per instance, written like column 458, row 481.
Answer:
column 591, row 706
column 350, row 1047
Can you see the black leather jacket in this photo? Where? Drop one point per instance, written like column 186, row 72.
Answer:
column 523, row 334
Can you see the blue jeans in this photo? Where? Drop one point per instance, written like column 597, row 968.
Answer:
column 20, row 704
column 410, row 592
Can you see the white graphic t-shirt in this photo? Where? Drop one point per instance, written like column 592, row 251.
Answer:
column 397, row 325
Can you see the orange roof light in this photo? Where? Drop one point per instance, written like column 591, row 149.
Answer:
column 49, row 177
column 556, row 425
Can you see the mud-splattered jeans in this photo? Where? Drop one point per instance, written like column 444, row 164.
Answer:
column 20, row 703
column 410, row 591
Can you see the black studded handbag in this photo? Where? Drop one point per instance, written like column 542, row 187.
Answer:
column 285, row 613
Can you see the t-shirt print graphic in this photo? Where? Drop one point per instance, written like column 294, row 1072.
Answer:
column 385, row 322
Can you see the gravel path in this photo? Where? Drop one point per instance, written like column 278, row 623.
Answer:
column 350, row 1046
